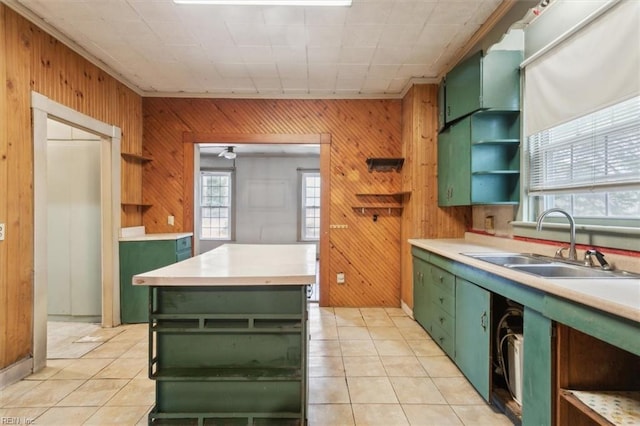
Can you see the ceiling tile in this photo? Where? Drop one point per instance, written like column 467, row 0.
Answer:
column 256, row 54
column 323, row 16
column 264, row 84
column 349, row 71
column 423, row 55
column 349, row 84
column 283, row 15
column 383, row 71
column 374, row 12
column 372, row 85
column 397, row 85
column 399, row 35
column 245, row 34
column 323, row 72
column 295, row 85
column 388, row 55
column 361, row 35
column 156, row 11
column 324, row 36
column 287, row 35
column 438, row 34
column 415, row 71
column 169, row 32
column 453, row 12
column 289, row 54
column 293, row 71
column 233, row 14
column 411, row 12
column 263, row 71
column 323, row 54
column 232, row 70
column 223, row 53
column 356, row 55
column 113, row 10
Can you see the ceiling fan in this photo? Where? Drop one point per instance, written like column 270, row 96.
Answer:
column 228, row 153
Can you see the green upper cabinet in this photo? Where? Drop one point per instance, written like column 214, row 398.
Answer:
column 479, row 160
column 483, row 82
column 479, row 147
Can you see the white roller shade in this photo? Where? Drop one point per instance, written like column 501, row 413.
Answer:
column 597, row 66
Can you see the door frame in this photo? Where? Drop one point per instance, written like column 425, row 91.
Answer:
column 189, row 140
column 42, row 109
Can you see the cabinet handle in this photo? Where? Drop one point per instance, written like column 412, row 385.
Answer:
column 441, row 340
column 441, row 278
column 441, row 320
column 448, row 111
column 441, row 300
column 483, row 321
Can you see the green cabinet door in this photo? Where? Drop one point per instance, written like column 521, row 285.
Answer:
column 464, row 88
column 421, row 299
column 537, row 377
column 137, row 257
column 489, row 82
column 472, row 336
column 454, row 165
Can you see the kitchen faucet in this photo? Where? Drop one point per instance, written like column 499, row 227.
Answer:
column 572, row 229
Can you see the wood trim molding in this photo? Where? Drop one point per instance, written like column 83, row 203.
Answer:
column 325, row 219
column 254, row 138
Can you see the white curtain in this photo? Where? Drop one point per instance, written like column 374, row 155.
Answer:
column 596, row 67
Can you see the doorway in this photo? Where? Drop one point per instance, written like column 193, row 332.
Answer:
column 108, row 148
column 191, row 142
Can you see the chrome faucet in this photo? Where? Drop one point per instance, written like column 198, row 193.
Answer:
column 572, row 229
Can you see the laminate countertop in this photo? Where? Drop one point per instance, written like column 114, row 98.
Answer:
column 617, row 296
column 239, row 264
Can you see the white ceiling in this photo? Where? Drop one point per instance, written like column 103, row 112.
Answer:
column 373, row 48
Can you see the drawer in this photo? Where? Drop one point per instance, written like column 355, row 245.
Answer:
column 443, row 339
column 443, row 279
column 183, row 244
column 443, row 320
column 443, row 299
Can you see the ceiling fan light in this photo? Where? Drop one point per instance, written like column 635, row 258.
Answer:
column 228, row 153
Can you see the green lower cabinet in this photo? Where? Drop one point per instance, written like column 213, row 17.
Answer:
column 229, row 355
column 472, row 334
column 421, row 299
column 137, row 257
column 537, row 372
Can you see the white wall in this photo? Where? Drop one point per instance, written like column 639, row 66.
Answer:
column 73, row 210
column 266, row 197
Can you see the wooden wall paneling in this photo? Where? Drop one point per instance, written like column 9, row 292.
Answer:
column 424, row 218
column 367, row 253
column 19, row 227
column 4, row 188
column 30, row 59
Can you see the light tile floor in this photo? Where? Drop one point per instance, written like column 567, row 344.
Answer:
column 367, row 366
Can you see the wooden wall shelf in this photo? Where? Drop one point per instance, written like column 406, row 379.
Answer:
column 381, row 194
column 135, row 157
column 385, row 164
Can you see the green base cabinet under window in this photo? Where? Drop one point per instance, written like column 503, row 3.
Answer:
column 137, row 257
column 229, row 355
column 472, row 334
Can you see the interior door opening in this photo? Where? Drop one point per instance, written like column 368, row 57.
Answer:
column 88, row 278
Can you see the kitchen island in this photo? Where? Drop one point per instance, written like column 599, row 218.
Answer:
column 228, row 335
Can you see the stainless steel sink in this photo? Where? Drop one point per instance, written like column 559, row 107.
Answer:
column 547, row 267
column 559, row 270
column 510, row 258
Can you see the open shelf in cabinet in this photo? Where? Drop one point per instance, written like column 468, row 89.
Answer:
column 596, row 382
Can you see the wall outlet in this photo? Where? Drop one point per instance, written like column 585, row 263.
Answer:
column 1, row 231
column 171, row 220
column 340, row 277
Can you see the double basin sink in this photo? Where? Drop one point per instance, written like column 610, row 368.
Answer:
column 548, row 267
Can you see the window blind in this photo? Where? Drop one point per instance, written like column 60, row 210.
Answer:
column 594, row 152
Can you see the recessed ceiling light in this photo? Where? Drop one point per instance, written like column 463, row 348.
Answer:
column 268, row 2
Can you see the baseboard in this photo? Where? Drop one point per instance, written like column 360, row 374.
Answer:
column 15, row 372
column 406, row 309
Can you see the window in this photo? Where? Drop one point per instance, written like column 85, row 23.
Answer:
column 589, row 166
column 310, row 212
column 215, row 205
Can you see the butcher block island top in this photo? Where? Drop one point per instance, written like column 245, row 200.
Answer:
column 239, row 264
